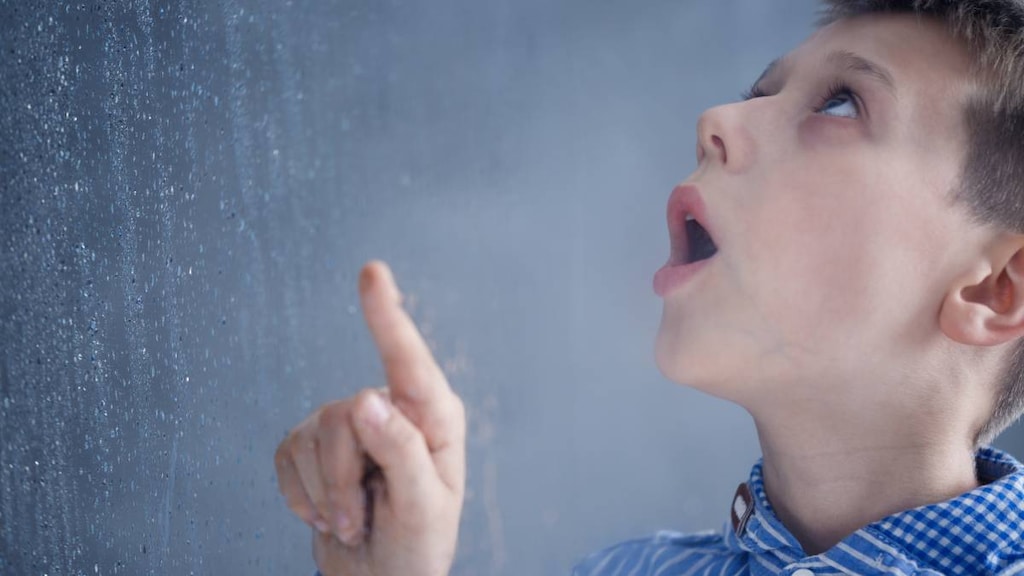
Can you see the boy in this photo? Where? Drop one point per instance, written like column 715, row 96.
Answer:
column 854, row 279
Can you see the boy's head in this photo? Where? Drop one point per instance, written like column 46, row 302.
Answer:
column 867, row 203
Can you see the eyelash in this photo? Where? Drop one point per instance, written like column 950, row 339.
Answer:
column 838, row 88
column 752, row 92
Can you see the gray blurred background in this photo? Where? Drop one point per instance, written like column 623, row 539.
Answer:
column 188, row 190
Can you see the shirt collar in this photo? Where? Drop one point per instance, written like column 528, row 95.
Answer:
column 975, row 533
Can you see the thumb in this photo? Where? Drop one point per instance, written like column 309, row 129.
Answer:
column 401, row 451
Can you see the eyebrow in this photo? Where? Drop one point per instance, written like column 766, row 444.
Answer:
column 844, row 59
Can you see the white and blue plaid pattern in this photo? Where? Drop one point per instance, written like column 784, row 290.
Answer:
column 977, row 533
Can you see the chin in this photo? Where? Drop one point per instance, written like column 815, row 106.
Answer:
column 694, row 363
column 672, row 357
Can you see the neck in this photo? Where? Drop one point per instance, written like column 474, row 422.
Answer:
column 825, row 483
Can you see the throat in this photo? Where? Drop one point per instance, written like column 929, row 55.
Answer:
column 826, row 478
column 823, row 495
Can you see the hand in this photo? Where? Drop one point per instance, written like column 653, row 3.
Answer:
column 415, row 433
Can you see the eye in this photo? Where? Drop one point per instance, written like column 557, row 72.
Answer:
column 840, row 102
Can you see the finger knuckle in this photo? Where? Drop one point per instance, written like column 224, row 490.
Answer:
column 334, row 416
column 363, row 395
column 301, row 443
column 282, row 456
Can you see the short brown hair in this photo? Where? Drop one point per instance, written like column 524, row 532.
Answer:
column 991, row 185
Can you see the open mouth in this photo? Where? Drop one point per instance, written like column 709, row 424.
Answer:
column 689, row 229
column 699, row 245
column 690, row 232
column 691, row 242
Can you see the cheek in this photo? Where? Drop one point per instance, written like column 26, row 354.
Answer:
column 819, row 270
column 812, row 257
column 827, row 244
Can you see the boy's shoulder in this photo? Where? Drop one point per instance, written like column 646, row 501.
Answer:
column 979, row 532
column 653, row 554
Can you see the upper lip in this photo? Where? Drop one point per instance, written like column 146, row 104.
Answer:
column 686, row 200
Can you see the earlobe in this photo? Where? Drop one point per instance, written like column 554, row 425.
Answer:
column 988, row 312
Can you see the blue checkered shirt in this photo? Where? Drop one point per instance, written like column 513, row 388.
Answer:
column 976, row 533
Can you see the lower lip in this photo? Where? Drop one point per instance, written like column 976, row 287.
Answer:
column 672, row 276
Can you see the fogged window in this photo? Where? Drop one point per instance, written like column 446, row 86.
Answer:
column 188, row 190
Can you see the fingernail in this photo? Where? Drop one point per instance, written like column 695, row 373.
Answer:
column 376, row 412
column 342, row 524
column 321, row 526
column 365, row 280
column 352, row 538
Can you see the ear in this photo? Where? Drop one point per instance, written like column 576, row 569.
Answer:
column 988, row 312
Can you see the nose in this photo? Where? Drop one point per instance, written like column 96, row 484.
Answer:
column 722, row 138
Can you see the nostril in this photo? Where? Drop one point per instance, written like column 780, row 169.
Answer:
column 721, row 147
column 717, row 143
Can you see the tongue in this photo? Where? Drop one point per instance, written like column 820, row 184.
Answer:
column 700, row 244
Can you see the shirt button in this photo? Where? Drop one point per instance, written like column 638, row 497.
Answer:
column 803, row 572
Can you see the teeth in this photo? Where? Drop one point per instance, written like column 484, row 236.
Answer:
column 690, row 217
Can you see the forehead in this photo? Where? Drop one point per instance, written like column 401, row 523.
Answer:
column 913, row 56
column 916, row 49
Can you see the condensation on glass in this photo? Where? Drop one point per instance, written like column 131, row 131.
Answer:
column 188, row 190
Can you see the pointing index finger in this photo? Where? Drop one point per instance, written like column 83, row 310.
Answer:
column 412, row 373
